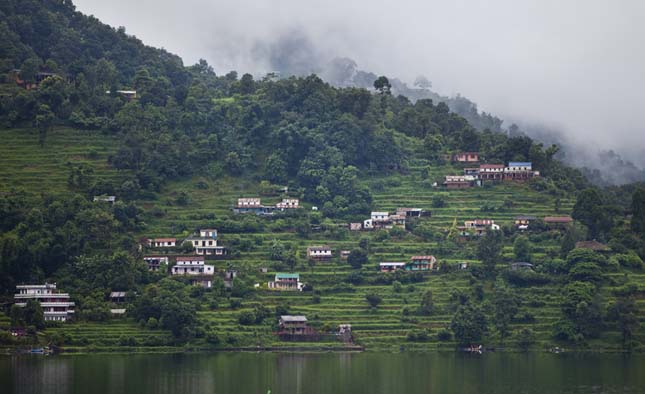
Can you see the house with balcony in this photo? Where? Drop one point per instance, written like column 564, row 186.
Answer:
column 519, row 171
column 421, row 263
column 206, row 243
column 193, row 267
column 155, row 263
column 491, row 172
column 320, row 253
column 56, row 306
column 286, row 282
column 288, row 203
column 252, row 205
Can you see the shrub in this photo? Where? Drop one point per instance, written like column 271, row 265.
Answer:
column 246, row 318
column 444, row 335
column 418, row 336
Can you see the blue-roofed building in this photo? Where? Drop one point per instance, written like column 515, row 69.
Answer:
column 520, row 171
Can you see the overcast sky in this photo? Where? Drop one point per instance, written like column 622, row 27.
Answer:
column 577, row 65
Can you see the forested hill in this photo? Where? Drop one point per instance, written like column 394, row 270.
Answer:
column 88, row 111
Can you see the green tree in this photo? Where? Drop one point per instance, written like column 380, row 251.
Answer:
column 638, row 211
column 33, row 314
column 357, row 258
column 590, row 210
column 624, row 312
column 469, row 324
column 525, row 338
column 505, row 306
column 522, row 248
column 44, row 122
column 373, row 299
column 427, row 305
column 489, row 249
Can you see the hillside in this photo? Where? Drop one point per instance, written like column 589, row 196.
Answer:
column 179, row 155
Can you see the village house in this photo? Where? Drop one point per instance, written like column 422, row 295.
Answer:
column 252, row 205
column 519, row 171
column 380, row 217
column 108, row 199
column 319, row 252
column 460, row 181
column 56, row 306
column 39, row 77
column 286, row 282
column 344, row 254
column 390, row 266
column 162, row 242
column 397, row 220
column 368, row 224
column 288, row 203
column 294, row 325
column 478, row 227
column 491, row 172
column 465, row 157
column 522, row 222
column 412, row 212
column 355, row 226
column 193, row 266
column 155, row 262
column 421, row 263
column 558, row 221
column 117, row 297
column 206, row 243
column 593, row 245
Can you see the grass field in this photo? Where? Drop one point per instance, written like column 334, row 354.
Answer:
column 26, row 165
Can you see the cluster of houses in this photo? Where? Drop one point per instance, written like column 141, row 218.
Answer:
column 385, row 220
column 476, row 176
column 254, row 205
column 204, row 242
column 194, row 267
column 479, row 227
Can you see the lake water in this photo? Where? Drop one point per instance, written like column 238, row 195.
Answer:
column 337, row 373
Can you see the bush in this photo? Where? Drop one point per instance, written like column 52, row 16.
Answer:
column 152, row 323
column 213, row 339
column 246, row 318
column 418, row 336
column 444, row 335
column 373, row 299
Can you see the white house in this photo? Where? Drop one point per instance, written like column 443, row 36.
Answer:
column 288, row 203
column 319, row 252
column 193, row 266
column 380, row 216
column 162, row 242
column 56, row 306
column 206, row 243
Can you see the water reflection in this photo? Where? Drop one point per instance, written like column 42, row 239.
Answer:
column 373, row 373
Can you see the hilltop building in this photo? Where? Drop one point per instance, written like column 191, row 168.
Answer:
column 323, row 252
column 155, row 262
column 206, row 243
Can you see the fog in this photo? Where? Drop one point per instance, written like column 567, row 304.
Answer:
column 577, row 66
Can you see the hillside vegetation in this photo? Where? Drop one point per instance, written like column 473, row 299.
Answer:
column 179, row 155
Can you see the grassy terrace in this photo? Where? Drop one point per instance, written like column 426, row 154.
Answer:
column 25, row 164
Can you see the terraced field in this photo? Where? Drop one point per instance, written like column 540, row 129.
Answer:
column 25, row 164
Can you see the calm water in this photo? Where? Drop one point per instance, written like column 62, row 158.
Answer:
column 335, row 373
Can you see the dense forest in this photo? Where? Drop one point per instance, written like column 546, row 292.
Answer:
column 320, row 141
